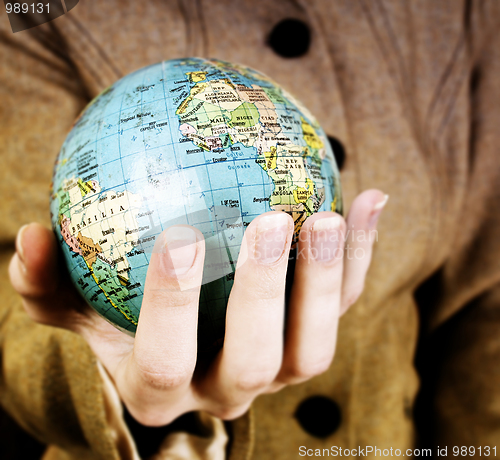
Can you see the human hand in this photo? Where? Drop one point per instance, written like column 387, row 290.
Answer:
column 154, row 373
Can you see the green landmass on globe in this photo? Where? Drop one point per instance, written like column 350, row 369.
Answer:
column 188, row 141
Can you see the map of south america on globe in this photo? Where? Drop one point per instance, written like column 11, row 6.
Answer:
column 190, row 141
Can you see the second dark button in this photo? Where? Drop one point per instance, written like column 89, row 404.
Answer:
column 338, row 151
column 319, row 416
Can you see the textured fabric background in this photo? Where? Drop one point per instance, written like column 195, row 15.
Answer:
column 411, row 91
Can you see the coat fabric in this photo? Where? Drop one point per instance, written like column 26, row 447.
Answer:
column 411, row 91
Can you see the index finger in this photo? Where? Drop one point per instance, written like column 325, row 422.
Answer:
column 160, row 369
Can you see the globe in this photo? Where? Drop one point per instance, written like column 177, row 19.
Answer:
column 188, row 141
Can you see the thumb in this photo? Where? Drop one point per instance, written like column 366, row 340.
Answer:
column 34, row 274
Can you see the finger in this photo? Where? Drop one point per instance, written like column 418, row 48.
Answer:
column 158, row 373
column 35, row 276
column 315, row 299
column 360, row 237
column 253, row 342
column 33, row 269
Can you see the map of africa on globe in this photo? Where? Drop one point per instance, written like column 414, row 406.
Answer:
column 189, row 141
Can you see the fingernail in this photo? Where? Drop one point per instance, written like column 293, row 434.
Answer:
column 271, row 238
column 375, row 214
column 181, row 250
column 325, row 238
column 19, row 245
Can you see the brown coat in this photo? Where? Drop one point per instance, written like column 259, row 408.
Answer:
column 411, row 90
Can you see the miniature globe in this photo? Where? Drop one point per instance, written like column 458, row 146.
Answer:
column 189, row 141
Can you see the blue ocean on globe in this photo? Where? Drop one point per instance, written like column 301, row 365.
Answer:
column 187, row 141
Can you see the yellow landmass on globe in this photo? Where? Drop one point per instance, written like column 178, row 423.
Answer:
column 270, row 159
column 301, row 194
column 195, row 77
column 334, row 203
column 85, row 187
column 195, row 90
column 310, row 136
